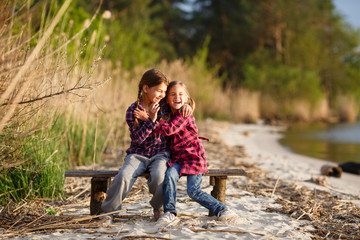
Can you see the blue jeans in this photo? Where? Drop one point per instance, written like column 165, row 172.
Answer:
column 172, row 176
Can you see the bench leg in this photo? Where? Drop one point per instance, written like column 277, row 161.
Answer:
column 219, row 189
column 99, row 186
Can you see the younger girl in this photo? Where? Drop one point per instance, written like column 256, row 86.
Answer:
column 148, row 151
column 187, row 157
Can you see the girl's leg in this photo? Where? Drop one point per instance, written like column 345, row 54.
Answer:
column 157, row 169
column 203, row 198
column 122, row 183
column 171, row 178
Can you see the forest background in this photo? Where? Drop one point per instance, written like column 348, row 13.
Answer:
column 69, row 70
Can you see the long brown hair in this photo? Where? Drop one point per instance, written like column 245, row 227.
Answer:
column 189, row 101
column 151, row 78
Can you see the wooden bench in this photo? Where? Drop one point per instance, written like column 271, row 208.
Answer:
column 101, row 180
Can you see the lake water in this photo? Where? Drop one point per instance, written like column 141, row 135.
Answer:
column 334, row 142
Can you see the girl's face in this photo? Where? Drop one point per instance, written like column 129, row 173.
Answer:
column 177, row 97
column 154, row 94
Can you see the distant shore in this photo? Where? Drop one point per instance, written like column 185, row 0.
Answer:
column 338, row 143
column 262, row 146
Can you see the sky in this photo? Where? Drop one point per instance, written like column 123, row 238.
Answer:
column 350, row 9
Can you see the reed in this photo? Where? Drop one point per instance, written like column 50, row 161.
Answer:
column 212, row 100
column 300, row 110
column 245, row 105
column 321, row 111
column 269, row 108
column 348, row 108
column 30, row 164
column 40, row 85
column 294, row 110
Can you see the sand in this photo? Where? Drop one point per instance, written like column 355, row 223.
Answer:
column 261, row 148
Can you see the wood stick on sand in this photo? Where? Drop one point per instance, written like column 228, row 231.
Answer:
column 277, row 181
column 229, row 231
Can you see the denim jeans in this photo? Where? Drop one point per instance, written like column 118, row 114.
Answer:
column 135, row 165
column 172, row 176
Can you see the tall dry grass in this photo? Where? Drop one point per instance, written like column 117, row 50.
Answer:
column 41, row 84
column 21, row 82
column 348, row 108
column 245, row 105
column 269, row 107
column 299, row 110
column 239, row 105
column 321, row 111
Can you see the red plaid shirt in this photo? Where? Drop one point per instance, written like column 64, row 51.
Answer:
column 185, row 146
column 144, row 140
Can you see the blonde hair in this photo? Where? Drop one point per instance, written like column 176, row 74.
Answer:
column 172, row 84
column 151, row 78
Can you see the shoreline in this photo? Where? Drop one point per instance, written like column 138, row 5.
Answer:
column 262, row 146
column 338, row 143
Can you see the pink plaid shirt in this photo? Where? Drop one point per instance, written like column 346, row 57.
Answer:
column 185, row 146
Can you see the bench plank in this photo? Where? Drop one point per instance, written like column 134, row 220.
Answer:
column 112, row 173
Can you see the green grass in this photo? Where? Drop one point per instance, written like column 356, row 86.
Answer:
column 30, row 167
column 33, row 164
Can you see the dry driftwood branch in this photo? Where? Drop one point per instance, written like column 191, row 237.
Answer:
column 277, row 181
column 57, row 225
column 229, row 231
column 144, row 237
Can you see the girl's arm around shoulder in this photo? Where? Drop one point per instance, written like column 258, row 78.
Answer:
column 175, row 125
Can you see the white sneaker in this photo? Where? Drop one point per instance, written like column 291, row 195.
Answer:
column 106, row 219
column 226, row 214
column 167, row 218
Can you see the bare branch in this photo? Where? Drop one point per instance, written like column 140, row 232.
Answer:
column 47, row 96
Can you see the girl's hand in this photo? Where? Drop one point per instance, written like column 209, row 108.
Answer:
column 186, row 110
column 141, row 114
column 153, row 110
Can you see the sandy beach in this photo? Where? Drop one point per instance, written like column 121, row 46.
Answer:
column 284, row 196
